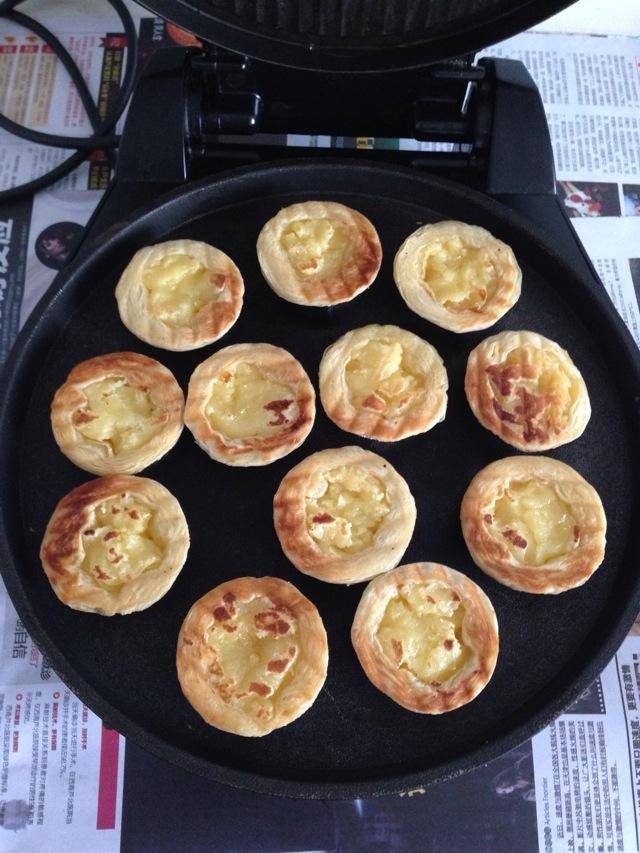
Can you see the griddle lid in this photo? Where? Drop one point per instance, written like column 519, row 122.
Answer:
column 355, row 35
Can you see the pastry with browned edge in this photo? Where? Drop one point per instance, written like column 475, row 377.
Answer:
column 526, row 389
column 180, row 295
column 534, row 524
column 344, row 515
column 427, row 636
column 249, row 404
column 319, row 253
column 252, row 655
column 383, row 382
column 117, row 413
column 458, row 276
column 115, row 545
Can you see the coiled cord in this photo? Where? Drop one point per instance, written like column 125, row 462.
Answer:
column 102, row 137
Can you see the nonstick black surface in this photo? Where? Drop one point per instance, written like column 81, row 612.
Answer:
column 365, row 35
column 354, row 741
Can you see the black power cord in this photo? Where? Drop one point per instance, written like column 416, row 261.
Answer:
column 102, row 138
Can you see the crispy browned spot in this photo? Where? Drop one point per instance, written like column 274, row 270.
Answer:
column 502, row 378
column 323, row 518
column 397, row 650
column 278, row 664
column 514, row 537
column 259, row 688
column 221, row 614
column 112, row 534
column 218, row 279
column 103, row 576
column 448, row 644
column 269, row 620
column 373, row 401
column 576, row 533
column 187, row 642
column 90, row 532
column 134, row 514
column 430, row 599
column 455, row 596
column 84, row 417
column 488, row 518
column 503, row 414
column 278, row 407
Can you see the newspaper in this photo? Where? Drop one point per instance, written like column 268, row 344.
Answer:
column 576, row 785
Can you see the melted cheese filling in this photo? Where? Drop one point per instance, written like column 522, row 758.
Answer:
column 459, row 276
column 179, row 287
column 534, row 523
column 534, row 390
column 118, row 414
column 121, row 542
column 349, row 510
column 256, row 649
column 316, row 246
column 247, row 404
column 421, row 631
column 379, row 377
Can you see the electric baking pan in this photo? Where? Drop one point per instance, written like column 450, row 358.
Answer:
column 354, row 741
column 355, row 35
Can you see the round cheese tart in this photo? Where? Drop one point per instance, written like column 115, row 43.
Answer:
column 344, row 515
column 534, row 524
column 180, row 295
column 252, row 655
column 527, row 390
column 117, row 413
column 319, row 253
column 427, row 636
column 115, row 545
column 458, row 276
column 383, row 382
column 249, row 404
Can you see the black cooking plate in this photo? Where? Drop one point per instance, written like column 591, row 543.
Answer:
column 355, row 35
column 353, row 741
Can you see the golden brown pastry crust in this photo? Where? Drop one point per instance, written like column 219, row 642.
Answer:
column 486, row 543
column 62, row 551
column 196, row 660
column 504, row 401
column 408, row 275
column 372, row 417
column 479, row 632
column 275, row 363
column 390, row 540
column 139, row 371
column 336, row 286
column 208, row 325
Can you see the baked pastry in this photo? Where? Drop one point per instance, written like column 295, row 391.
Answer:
column 344, row 515
column 180, row 295
column 117, row 413
column 252, row 655
column 427, row 636
column 115, row 545
column 383, row 382
column 319, row 253
column 534, row 524
column 527, row 391
column 249, row 404
column 458, row 276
